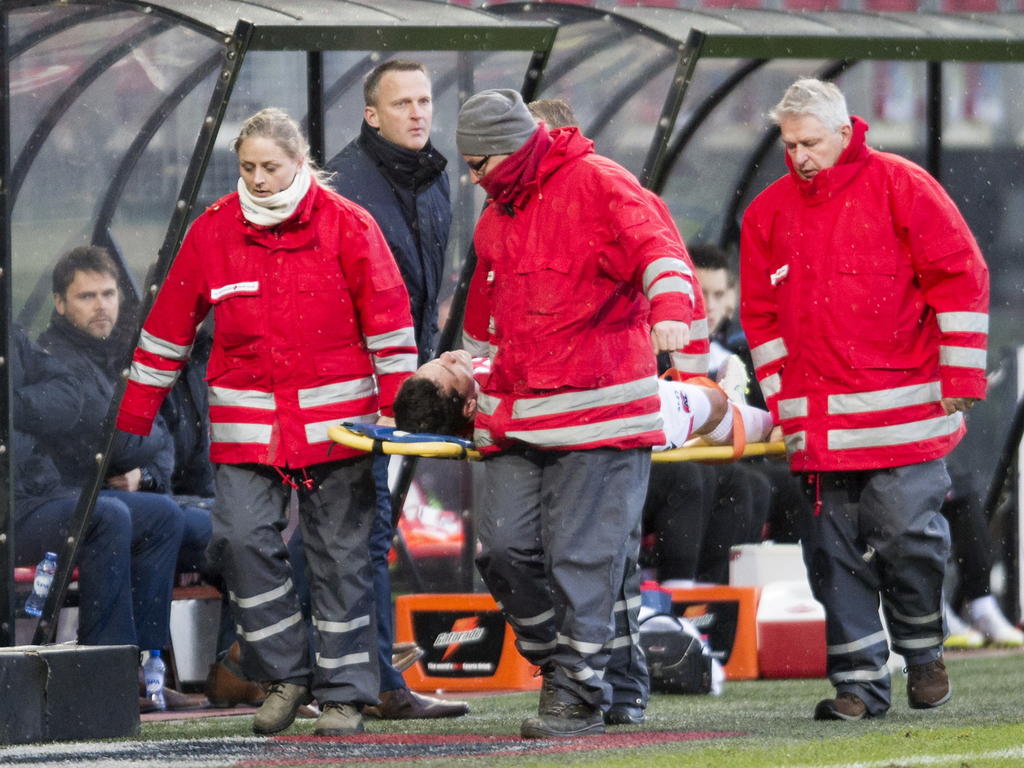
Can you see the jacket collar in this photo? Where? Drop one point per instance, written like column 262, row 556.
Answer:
column 829, row 182
column 409, row 168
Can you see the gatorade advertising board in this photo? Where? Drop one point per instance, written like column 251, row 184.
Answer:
column 467, row 644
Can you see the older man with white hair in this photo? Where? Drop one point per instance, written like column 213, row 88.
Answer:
column 865, row 300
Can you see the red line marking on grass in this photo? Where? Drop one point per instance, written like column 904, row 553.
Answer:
column 462, row 746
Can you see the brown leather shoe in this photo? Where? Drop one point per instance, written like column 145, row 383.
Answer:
column 226, row 686
column 845, row 706
column 403, row 704
column 178, row 700
column 928, row 685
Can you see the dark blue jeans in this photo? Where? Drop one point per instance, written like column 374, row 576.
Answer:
column 126, row 564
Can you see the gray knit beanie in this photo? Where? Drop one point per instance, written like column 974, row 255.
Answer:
column 494, row 122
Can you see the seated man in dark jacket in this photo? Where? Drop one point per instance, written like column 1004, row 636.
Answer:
column 86, row 308
column 125, row 559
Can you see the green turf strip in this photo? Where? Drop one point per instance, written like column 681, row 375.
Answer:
column 981, row 726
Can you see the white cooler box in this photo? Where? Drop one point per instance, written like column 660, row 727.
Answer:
column 754, row 565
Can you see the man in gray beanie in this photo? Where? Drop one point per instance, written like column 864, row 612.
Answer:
column 577, row 274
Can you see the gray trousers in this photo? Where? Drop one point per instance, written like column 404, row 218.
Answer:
column 626, row 671
column 878, row 535
column 335, row 514
column 556, row 529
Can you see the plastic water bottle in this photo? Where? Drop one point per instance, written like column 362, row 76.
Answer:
column 153, row 671
column 41, row 586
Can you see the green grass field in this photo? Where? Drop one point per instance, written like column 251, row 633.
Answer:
column 983, row 725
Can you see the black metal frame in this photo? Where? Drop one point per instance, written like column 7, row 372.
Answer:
column 245, row 37
column 7, row 422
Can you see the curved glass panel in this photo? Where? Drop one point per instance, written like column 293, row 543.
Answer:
column 74, row 130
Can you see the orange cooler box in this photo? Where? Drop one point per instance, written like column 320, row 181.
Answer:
column 725, row 616
column 468, row 644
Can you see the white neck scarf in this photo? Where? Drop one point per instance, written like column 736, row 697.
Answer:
column 269, row 211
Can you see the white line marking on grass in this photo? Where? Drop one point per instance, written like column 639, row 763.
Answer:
column 915, row 760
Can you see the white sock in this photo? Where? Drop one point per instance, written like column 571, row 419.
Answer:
column 722, row 434
column 757, row 422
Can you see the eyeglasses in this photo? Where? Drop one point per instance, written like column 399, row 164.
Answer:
column 478, row 166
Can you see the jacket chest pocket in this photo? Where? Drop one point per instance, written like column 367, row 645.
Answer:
column 324, row 305
column 545, row 285
column 865, row 294
column 238, row 311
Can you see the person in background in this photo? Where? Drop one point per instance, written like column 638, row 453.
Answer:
column 393, row 171
column 865, row 299
column 311, row 327
column 87, row 302
column 126, row 557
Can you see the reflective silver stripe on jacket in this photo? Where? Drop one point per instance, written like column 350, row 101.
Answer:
column 670, row 285
column 855, row 645
column 475, row 347
column 403, row 337
column 793, row 408
column 316, row 432
column 242, row 398
column 487, row 404
column 616, row 394
column 403, row 363
column 340, row 627
column 895, row 434
column 274, row 629
column 339, row 392
column 771, row 385
column 885, row 399
column 163, row 348
column 661, row 266
column 795, row 442
column 263, row 597
column 699, row 329
column 589, row 433
column 697, row 364
column 154, row 377
column 347, row 660
column 482, row 438
column 240, row 433
column 962, row 357
column 765, row 353
column 962, row 322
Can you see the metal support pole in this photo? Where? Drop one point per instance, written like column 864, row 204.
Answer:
column 7, row 422
column 315, row 106
column 234, row 52
column 933, row 160
column 689, row 53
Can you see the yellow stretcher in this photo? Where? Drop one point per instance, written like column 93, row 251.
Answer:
column 440, row 448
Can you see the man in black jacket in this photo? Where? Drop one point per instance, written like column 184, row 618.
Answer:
column 394, row 172
column 126, row 559
column 86, row 309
